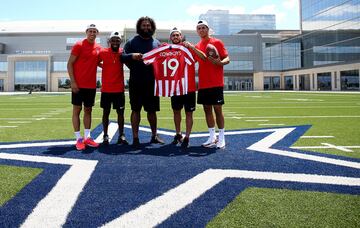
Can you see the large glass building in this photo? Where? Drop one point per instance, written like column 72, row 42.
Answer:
column 224, row 23
column 330, row 31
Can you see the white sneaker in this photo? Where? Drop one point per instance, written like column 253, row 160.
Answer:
column 221, row 144
column 210, row 142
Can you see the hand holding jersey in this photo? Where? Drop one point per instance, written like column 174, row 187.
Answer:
column 170, row 64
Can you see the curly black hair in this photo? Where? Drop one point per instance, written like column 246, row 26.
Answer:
column 146, row 18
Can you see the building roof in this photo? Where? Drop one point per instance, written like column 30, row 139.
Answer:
column 55, row 26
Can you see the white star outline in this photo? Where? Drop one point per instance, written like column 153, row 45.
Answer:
column 53, row 209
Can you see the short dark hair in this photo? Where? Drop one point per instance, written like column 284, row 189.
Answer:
column 146, row 18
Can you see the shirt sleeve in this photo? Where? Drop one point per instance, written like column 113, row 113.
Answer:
column 222, row 50
column 76, row 49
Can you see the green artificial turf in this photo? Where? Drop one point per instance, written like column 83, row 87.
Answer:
column 47, row 117
column 13, row 179
column 257, row 207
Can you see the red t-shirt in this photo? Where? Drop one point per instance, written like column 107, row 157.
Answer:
column 191, row 73
column 170, row 63
column 112, row 79
column 86, row 63
column 211, row 75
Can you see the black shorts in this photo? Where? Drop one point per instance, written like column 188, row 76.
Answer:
column 143, row 96
column 116, row 99
column 86, row 96
column 211, row 96
column 188, row 101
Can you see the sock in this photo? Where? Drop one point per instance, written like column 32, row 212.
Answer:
column 87, row 133
column 77, row 135
column 212, row 132
column 221, row 134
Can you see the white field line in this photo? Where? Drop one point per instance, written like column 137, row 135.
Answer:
column 41, row 116
column 301, row 99
column 8, row 126
column 256, row 120
column 159, row 209
column 271, row 124
column 316, row 136
column 54, row 208
column 294, row 117
column 264, row 145
column 170, row 118
column 39, row 144
column 324, row 147
column 19, row 122
column 337, row 147
column 112, row 128
column 292, row 107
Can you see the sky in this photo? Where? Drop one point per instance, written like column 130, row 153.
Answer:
column 178, row 11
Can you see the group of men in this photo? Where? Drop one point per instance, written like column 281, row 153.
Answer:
column 86, row 56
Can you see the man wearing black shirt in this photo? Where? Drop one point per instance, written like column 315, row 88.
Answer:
column 141, row 81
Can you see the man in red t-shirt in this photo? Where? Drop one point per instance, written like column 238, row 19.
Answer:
column 112, row 90
column 211, row 84
column 82, row 67
column 187, row 101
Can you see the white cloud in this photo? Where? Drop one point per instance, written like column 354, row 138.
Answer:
column 271, row 9
column 267, row 9
column 197, row 9
column 290, row 4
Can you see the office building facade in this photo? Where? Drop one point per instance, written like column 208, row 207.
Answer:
column 224, row 23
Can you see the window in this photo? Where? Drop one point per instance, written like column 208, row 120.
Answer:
column 3, row 66
column 289, row 82
column 349, row 80
column 30, row 75
column 64, row 84
column 238, row 83
column 60, row 66
column 272, row 83
column 324, row 81
column 1, row 85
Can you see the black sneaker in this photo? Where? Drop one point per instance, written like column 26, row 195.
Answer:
column 156, row 139
column 185, row 143
column 177, row 139
column 136, row 143
column 106, row 140
column 122, row 140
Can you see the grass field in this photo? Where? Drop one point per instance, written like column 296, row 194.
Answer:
column 336, row 115
column 334, row 120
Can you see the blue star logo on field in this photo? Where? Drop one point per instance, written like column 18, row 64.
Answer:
column 160, row 184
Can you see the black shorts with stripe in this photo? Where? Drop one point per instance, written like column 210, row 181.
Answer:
column 117, row 100
column 187, row 101
column 83, row 96
column 211, row 96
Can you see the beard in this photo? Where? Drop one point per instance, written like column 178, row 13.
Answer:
column 146, row 34
column 115, row 48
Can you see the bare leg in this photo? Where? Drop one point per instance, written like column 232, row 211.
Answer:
column 87, row 117
column 152, row 118
column 135, row 121
column 209, row 116
column 177, row 121
column 189, row 123
column 76, row 117
column 105, row 120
